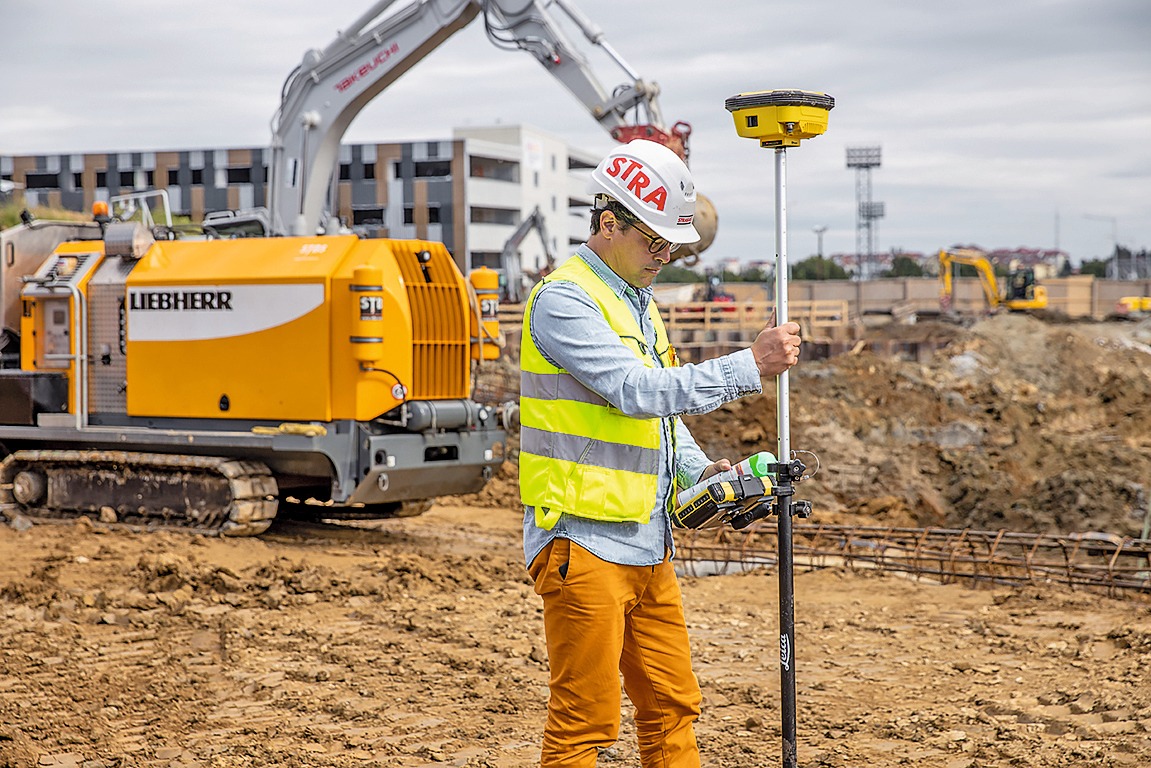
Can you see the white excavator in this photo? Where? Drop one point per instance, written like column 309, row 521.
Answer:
column 331, row 86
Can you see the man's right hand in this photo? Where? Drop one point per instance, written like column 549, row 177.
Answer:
column 776, row 348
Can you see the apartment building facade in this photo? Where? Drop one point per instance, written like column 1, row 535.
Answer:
column 470, row 192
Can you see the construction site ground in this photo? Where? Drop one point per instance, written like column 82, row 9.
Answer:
column 419, row 642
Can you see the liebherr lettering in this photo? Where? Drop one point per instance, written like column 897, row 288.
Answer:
column 163, row 301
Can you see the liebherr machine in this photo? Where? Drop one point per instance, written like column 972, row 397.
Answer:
column 210, row 384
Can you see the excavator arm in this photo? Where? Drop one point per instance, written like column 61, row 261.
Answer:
column 330, row 87
column 516, row 290
column 982, row 267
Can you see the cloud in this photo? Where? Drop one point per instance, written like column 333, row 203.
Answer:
column 993, row 116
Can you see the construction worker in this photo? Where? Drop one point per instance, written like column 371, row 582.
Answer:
column 602, row 450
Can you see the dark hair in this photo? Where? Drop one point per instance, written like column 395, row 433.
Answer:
column 625, row 217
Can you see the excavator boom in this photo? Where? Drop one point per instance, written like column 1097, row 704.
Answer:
column 331, row 86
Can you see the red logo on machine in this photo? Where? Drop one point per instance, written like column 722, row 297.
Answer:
column 366, row 69
column 632, row 172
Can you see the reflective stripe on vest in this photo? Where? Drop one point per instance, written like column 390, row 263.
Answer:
column 578, row 454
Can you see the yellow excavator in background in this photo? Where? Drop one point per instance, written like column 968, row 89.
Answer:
column 1021, row 293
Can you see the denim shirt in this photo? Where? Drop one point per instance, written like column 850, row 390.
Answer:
column 571, row 332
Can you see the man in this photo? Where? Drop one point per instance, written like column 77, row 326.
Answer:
column 602, row 450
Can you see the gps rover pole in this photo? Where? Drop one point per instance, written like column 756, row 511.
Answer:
column 781, row 119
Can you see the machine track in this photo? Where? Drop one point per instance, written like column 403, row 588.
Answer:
column 200, row 494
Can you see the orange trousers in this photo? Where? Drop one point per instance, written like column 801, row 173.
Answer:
column 603, row 620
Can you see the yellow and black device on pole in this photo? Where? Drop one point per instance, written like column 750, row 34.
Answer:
column 778, row 120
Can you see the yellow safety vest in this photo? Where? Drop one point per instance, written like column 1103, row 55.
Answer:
column 579, row 455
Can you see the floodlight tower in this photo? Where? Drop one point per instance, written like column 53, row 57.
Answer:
column 863, row 159
column 778, row 120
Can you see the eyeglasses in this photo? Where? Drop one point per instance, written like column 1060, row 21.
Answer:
column 655, row 243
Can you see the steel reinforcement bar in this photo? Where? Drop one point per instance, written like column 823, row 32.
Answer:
column 1091, row 560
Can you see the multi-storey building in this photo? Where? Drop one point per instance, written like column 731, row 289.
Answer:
column 470, row 192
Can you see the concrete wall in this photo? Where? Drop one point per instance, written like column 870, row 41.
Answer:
column 1075, row 296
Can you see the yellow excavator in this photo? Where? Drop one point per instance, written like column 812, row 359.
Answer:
column 1020, row 294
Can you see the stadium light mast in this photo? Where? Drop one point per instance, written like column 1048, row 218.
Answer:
column 867, row 212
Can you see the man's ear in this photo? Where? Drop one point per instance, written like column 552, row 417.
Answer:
column 609, row 224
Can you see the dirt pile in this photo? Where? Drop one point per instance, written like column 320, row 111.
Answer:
column 1016, row 423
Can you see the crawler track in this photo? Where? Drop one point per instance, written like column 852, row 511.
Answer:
column 202, row 494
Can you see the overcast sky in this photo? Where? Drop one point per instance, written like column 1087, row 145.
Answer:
column 1002, row 123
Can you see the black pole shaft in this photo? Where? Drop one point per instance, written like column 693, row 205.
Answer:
column 786, row 633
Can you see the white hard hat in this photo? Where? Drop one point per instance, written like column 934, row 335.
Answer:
column 653, row 183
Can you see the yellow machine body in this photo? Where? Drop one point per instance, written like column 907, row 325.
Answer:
column 485, row 327
column 49, row 321
column 293, row 329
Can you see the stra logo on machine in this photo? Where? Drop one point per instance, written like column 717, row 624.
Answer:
column 199, row 312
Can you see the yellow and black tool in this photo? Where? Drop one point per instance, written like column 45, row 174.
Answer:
column 719, row 503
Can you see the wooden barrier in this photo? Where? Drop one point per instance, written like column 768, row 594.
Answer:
column 702, row 329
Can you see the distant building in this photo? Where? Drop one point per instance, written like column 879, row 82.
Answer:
column 1047, row 263
column 469, row 192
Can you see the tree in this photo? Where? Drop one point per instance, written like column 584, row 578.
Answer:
column 674, row 274
column 1096, row 267
column 904, row 266
column 817, row 268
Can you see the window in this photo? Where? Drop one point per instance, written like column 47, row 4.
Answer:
column 173, row 177
column 369, row 215
column 77, row 180
column 127, row 178
column 239, row 175
column 433, row 214
column 42, row 181
column 369, row 170
column 494, row 215
column 493, row 168
column 345, row 171
column 101, row 179
column 198, row 176
column 425, row 169
column 433, row 169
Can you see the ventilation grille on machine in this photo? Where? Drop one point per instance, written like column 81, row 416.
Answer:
column 440, row 326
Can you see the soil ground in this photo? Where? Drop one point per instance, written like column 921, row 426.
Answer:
column 419, row 642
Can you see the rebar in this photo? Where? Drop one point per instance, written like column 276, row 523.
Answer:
column 1108, row 562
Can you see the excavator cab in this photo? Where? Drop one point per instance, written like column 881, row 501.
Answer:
column 1021, row 285
column 1022, row 291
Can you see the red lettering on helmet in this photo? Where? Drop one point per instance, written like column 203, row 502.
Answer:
column 623, row 168
column 684, row 220
column 657, row 196
column 638, row 184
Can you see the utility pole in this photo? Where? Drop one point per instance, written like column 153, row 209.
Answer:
column 1113, row 269
column 819, row 229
